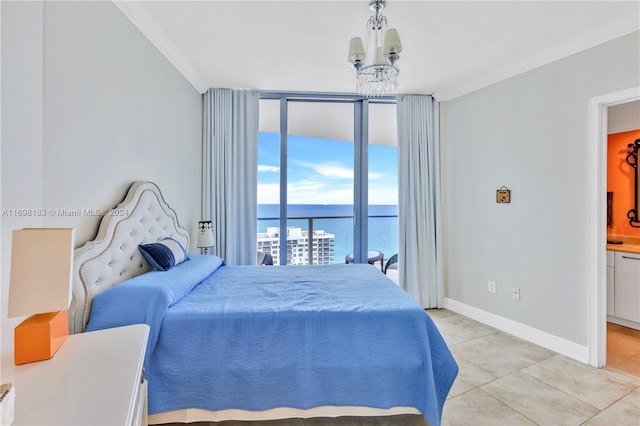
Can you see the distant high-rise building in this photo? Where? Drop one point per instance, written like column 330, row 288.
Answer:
column 298, row 246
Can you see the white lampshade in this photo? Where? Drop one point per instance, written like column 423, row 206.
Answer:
column 41, row 265
column 356, row 50
column 392, row 42
column 205, row 234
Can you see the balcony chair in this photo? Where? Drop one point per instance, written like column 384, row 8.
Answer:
column 264, row 258
column 392, row 263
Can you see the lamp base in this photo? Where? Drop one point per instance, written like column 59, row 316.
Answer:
column 39, row 337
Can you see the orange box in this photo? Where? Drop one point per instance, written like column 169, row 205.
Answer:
column 39, row 337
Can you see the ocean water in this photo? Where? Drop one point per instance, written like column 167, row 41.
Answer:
column 383, row 225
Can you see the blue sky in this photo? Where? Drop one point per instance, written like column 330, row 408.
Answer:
column 321, row 171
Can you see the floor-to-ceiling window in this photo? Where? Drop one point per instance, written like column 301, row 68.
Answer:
column 325, row 162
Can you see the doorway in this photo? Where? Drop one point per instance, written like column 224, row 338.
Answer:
column 597, row 321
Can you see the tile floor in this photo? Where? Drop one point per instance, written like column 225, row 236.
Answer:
column 623, row 349
column 504, row 380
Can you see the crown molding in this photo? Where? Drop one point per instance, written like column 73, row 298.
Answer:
column 138, row 15
column 600, row 35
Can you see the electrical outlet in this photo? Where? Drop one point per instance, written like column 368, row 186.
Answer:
column 491, row 287
column 515, row 294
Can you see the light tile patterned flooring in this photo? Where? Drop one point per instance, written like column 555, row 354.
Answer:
column 504, row 380
column 623, row 349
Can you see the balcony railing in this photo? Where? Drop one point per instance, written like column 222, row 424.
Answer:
column 322, row 245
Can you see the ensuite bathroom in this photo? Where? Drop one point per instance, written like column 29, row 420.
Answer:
column 623, row 238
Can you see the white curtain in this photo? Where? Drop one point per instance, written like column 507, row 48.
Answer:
column 420, row 236
column 229, row 172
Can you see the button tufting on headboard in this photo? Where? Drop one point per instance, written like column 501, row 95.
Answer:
column 114, row 256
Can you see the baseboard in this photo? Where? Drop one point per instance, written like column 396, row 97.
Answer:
column 554, row 343
column 624, row 322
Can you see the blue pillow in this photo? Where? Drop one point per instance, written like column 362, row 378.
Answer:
column 164, row 254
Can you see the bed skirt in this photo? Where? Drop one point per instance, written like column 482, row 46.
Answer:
column 197, row 415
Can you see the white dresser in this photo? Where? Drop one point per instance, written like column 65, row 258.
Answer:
column 95, row 378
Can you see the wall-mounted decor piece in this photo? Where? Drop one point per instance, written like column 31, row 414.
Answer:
column 503, row 195
column 632, row 159
column 609, row 208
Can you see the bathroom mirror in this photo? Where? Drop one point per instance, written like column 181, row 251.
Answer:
column 632, row 159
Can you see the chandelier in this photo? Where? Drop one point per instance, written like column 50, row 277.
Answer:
column 376, row 70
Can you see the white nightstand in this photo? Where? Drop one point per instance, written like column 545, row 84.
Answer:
column 94, row 379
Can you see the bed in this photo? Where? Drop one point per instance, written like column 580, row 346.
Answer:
column 258, row 342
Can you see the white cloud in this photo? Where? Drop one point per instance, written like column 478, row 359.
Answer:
column 332, row 196
column 330, row 170
column 333, row 171
column 314, row 192
column 305, row 186
column 383, row 195
column 307, row 192
column 268, row 193
column 265, row 168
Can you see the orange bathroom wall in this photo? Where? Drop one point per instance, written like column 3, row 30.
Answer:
column 620, row 180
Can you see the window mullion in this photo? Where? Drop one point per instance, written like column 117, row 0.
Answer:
column 283, row 181
column 361, row 191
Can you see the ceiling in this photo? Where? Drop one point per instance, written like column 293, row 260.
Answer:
column 450, row 47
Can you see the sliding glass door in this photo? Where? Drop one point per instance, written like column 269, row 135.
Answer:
column 320, row 182
column 313, row 173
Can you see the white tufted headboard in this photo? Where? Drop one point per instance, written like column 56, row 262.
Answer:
column 113, row 256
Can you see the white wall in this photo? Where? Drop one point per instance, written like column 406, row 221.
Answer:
column 92, row 106
column 623, row 118
column 116, row 111
column 529, row 133
column 22, row 139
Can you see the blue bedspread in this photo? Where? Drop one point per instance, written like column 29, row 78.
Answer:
column 256, row 338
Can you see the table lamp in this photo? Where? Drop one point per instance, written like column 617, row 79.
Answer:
column 40, row 286
column 205, row 235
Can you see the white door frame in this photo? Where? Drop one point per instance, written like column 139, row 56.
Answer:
column 597, row 274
